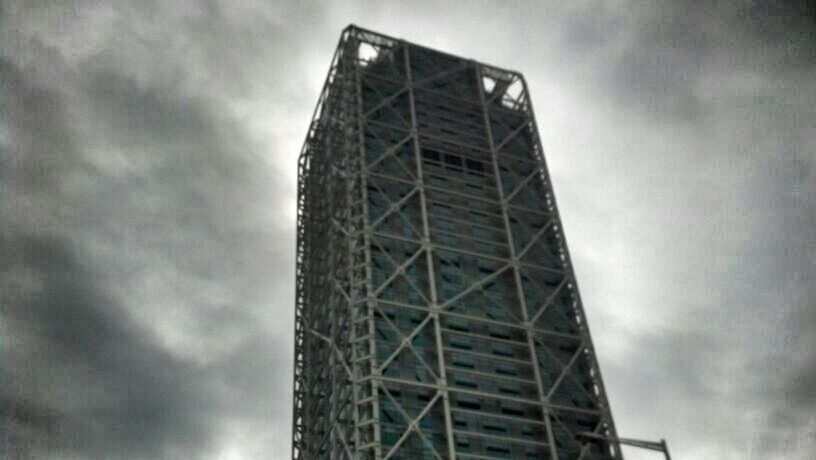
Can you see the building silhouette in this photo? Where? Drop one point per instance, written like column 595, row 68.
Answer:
column 437, row 311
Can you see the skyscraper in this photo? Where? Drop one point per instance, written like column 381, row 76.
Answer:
column 437, row 311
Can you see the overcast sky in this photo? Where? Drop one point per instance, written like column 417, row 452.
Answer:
column 148, row 203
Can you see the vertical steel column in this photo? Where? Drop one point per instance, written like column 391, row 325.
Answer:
column 301, row 432
column 426, row 243
column 579, row 308
column 332, row 300
column 545, row 411
column 367, row 231
column 298, row 371
column 354, row 175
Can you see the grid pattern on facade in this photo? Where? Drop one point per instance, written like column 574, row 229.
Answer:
column 437, row 313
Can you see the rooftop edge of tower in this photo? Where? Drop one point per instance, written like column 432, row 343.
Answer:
column 380, row 39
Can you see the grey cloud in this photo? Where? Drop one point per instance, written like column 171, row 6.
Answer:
column 149, row 283
column 140, row 256
column 88, row 382
column 709, row 212
column 655, row 56
column 85, row 381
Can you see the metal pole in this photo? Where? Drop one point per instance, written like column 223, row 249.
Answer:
column 660, row 446
column 665, row 449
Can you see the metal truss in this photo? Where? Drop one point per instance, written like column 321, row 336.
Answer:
column 437, row 313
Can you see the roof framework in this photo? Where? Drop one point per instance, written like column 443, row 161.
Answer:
column 437, row 313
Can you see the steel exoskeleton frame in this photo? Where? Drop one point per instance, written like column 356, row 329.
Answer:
column 437, row 314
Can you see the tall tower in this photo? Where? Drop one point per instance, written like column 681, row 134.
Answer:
column 437, row 312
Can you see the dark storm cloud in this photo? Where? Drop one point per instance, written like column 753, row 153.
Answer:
column 724, row 338
column 89, row 382
column 85, row 379
column 655, row 56
column 142, row 238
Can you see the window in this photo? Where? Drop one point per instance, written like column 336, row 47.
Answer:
column 502, row 350
column 462, row 363
column 460, row 344
column 474, row 165
column 494, row 428
column 511, row 411
column 466, row 383
column 509, row 391
column 469, row 404
column 506, row 371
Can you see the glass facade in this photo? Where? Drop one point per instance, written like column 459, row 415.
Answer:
column 437, row 312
